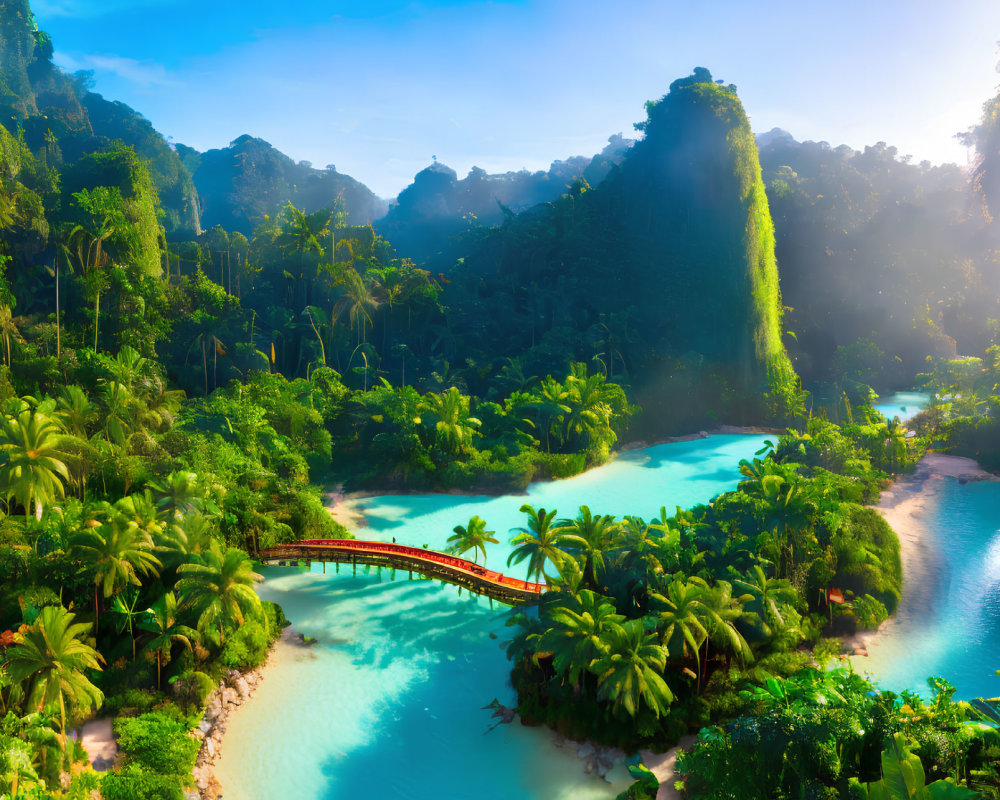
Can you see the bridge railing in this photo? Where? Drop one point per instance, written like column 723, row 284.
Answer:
column 419, row 553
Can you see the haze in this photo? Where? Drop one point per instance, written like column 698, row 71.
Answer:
column 380, row 88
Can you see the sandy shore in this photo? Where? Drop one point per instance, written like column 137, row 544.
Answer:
column 346, row 509
column 905, row 506
column 215, row 769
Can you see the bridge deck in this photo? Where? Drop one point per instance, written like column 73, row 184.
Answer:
column 415, row 559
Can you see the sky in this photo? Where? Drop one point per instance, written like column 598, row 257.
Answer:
column 379, row 88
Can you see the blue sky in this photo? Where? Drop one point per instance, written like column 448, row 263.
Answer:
column 379, row 87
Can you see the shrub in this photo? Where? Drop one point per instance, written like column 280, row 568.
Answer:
column 869, row 612
column 157, row 742
column 246, row 647
column 135, row 782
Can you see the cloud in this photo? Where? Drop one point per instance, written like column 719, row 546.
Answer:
column 144, row 74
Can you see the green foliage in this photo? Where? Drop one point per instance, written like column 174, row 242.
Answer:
column 137, row 782
column 247, row 647
column 157, row 743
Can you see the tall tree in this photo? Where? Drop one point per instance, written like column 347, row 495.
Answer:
column 473, row 536
column 31, row 465
column 49, row 661
column 220, row 590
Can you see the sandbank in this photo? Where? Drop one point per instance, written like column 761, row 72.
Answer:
column 905, row 505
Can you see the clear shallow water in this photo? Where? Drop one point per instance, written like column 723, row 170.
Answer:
column 960, row 639
column 390, row 700
column 904, row 405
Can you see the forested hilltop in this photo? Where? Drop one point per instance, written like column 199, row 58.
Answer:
column 192, row 344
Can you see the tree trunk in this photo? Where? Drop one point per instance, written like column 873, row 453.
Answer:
column 97, row 317
column 58, row 337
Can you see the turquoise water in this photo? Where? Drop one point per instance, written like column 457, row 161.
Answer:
column 955, row 635
column 904, row 405
column 389, row 702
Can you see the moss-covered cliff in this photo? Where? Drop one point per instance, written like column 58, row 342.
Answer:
column 664, row 274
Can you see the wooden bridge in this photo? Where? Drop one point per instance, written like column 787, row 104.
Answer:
column 431, row 563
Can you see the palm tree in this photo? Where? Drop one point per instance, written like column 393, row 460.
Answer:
column 592, row 535
column 220, row 590
column 723, row 613
column 768, row 598
column 301, row 235
column 49, row 662
column 75, row 410
column 117, row 552
column 161, row 621
column 576, row 635
column 473, row 537
column 538, row 543
column 357, row 300
column 31, row 465
column 549, row 404
column 682, row 622
column 89, row 245
column 125, row 607
column 630, row 670
column 454, row 426
column 8, row 330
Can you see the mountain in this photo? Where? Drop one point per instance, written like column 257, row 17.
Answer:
column 664, row 275
column 240, row 184
column 62, row 120
column 439, row 206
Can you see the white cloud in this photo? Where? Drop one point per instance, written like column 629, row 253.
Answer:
column 144, row 74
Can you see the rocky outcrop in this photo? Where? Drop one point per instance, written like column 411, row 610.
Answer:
column 235, row 689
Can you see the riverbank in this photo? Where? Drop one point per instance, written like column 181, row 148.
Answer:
column 213, row 772
column 907, row 506
column 347, row 508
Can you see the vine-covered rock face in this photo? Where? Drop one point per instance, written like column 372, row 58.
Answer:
column 665, row 271
column 699, row 232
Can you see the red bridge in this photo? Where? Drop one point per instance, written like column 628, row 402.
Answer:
column 431, row 563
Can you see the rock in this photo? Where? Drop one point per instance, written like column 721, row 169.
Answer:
column 589, row 769
column 210, row 747
column 242, row 688
column 205, row 726
column 585, row 751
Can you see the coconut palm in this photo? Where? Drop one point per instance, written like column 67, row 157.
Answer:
column 538, row 543
column 75, row 410
column 8, row 331
column 630, row 670
column 549, row 404
column 592, row 536
column 576, row 634
column 724, row 611
column 117, row 552
column 683, row 621
column 220, row 590
column 125, row 606
column 473, row 536
column 31, row 464
column 161, row 621
column 768, row 598
column 454, row 427
column 49, row 662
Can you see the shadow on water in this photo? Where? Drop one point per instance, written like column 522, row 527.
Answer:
column 436, row 727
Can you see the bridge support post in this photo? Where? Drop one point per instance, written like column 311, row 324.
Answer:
column 324, row 568
column 354, row 564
